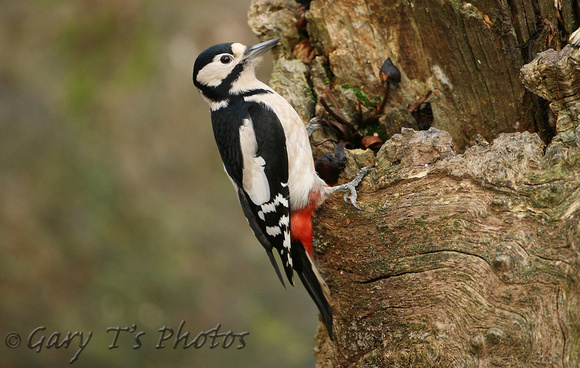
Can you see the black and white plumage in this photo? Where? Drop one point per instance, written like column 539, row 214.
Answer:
column 255, row 160
column 266, row 153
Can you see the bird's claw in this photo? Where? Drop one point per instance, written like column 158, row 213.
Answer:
column 352, row 196
column 349, row 189
column 313, row 125
column 360, row 176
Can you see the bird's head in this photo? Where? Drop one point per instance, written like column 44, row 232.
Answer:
column 228, row 68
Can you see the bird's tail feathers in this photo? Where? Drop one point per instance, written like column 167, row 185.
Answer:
column 313, row 282
column 273, row 261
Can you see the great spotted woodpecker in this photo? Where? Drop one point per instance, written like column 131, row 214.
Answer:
column 266, row 153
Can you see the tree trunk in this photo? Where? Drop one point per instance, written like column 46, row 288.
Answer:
column 459, row 259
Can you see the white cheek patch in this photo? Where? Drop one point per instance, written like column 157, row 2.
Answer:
column 254, row 178
column 215, row 72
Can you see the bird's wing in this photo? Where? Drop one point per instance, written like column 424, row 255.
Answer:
column 256, row 160
column 257, row 163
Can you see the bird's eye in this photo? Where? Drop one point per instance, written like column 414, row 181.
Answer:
column 226, row 59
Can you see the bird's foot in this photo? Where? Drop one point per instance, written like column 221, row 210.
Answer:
column 313, row 125
column 349, row 189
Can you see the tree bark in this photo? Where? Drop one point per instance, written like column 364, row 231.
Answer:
column 469, row 54
column 467, row 252
column 457, row 260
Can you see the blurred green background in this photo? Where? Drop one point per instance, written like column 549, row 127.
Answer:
column 114, row 208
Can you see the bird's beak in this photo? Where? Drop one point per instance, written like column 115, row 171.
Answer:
column 253, row 52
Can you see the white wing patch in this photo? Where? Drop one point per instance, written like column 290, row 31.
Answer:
column 254, row 179
column 301, row 175
column 256, row 185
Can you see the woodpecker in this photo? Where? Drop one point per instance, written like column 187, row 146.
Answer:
column 266, row 154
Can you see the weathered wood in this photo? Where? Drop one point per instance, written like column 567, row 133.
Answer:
column 555, row 76
column 457, row 260
column 468, row 252
column 468, row 53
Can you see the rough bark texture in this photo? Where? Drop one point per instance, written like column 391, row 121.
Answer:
column 468, row 252
column 457, row 260
column 468, row 53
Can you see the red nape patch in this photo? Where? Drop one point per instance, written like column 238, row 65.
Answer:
column 301, row 228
